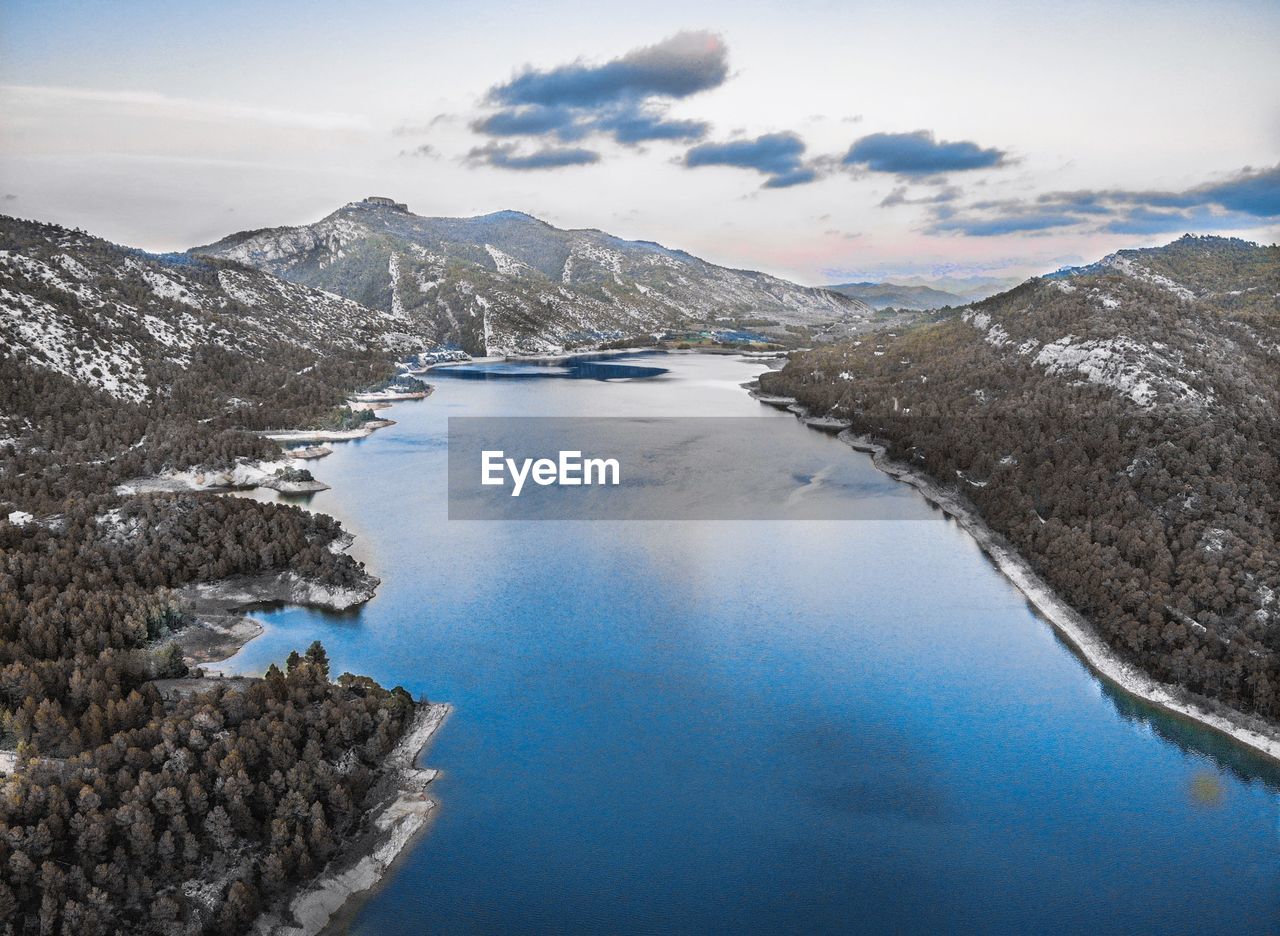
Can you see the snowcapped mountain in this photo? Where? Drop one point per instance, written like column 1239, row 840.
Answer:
column 109, row 317
column 508, row 282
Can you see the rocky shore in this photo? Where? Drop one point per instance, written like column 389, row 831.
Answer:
column 244, row 476
column 1073, row 627
column 399, row 812
column 219, row 626
column 295, row 436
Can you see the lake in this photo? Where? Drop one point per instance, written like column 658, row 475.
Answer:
column 763, row 726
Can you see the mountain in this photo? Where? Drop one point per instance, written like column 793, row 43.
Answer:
column 114, row 318
column 1119, row 425
column 899, row 296
column 1190, row 325
column 970, row 288
column 508, row 282
column 115, row 363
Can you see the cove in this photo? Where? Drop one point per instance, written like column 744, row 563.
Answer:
column 772, row 726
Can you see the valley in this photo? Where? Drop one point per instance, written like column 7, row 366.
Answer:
column 1112, row 426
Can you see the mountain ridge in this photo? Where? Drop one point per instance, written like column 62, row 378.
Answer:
column 509, row 282
column 114, row 317
column 887, row 294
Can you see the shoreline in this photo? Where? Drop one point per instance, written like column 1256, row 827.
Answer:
column 399, row 807
column 220, row 627
column 243, row 476
column 400, row 813
column 1073, row 627
column 328, row 435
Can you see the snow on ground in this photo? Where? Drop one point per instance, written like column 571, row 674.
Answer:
column 1128, row 268
column 236, row 285
column 393, row 270
column 1133, row 369
column 993, row 332
column 243, row 475
column 506, row 264
column 1105, row 362
column 48, row 336
column 166, row 288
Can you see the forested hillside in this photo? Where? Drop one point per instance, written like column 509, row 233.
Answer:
column 508, row 282
column 1119, row 424
column 133, row 811
column 115, row 363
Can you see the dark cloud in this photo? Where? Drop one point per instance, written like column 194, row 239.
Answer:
column 506, row 156
column 1238, row 201
column 780, row 156
column 799, row 176
column 919, row 154
column 627, row 123
column 1254, row 192
column 1250, row 191
column 635, row 126
column 1008, row 224
column 677, row 67
column 531, row 121
column 1143, row 220
column 626, row 98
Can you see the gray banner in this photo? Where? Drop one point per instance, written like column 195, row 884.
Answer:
column 621, row 468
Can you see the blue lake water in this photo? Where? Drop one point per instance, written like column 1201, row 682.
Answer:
column 764, row 727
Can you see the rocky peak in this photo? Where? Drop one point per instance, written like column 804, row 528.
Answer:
column 381, row 201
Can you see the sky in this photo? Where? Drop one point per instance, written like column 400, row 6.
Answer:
column 821, row 141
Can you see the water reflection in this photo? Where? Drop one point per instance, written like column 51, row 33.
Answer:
column 1194, row 738
column 773, row 727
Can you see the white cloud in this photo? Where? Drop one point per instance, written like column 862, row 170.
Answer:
column 176, row 108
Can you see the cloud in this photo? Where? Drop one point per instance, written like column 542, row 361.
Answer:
column 422, row 150
column 627, row 123
column 780, row 156
column 633, row 126
column 505, row 156
column 1009, row 224
column 919, row 154
column 799, row 176
column 626, row 98
column 150, row 103
column 1236, row 202
column 531, row 121
column 1254, row 192
column 899, row 196
column 676, row 67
